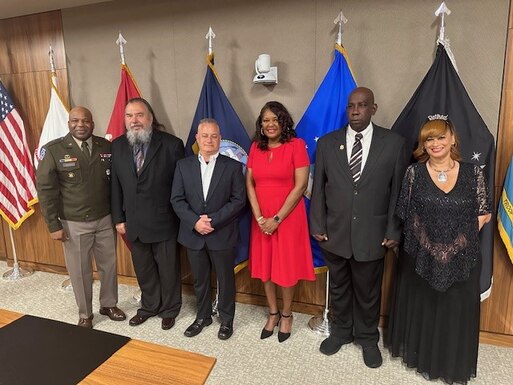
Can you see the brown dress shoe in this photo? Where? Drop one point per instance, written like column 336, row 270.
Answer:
column 137, row 320
column 114, row 313
column 86, row 322
column 168, row 323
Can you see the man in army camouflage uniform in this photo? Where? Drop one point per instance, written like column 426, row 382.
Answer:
column 73, row 185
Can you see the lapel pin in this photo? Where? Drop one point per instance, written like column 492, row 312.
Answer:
column 341, row 147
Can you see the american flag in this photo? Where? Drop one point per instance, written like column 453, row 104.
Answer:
column 17, row 177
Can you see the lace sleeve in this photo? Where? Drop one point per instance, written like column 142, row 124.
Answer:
column 403, row 202
column 483, row 195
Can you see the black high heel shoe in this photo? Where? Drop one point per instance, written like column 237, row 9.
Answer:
column 284, row 336
column 267, row 333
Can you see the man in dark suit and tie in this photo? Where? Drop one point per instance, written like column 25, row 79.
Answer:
column 143, row 165
column 209, row 195
column 358, row 174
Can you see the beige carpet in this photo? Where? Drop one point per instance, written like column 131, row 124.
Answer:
column 244, row 358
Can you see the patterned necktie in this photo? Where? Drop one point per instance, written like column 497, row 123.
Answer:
column 355, row 164
column 139, row 157
column 85, row 150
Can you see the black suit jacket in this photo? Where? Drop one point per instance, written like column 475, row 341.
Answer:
column 356, row 218
column 225, row 201
column 143, row 201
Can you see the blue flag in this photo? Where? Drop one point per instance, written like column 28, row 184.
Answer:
column 505, row 215
column 326, row 113
column 442, row 92
column 235, row 142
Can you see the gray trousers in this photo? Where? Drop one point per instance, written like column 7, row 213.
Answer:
column 87, row 239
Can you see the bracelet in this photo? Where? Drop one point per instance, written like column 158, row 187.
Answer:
column 259, row 219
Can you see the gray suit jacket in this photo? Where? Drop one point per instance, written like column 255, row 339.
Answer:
column 356, row 218
column 225, row 201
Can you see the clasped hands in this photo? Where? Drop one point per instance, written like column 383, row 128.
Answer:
column 203, row 225
column 267, row 225
column 388, row 243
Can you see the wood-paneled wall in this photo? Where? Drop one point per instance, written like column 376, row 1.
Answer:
column 25, row 73
column 497, row 310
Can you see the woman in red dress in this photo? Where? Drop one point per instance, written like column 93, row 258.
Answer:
column 276, row 178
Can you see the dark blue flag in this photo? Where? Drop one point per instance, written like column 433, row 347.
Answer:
column 235, row 142
column 326, row 113
column 442, row 92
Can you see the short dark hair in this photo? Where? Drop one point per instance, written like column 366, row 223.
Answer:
column 156, row 125
column 284, row 119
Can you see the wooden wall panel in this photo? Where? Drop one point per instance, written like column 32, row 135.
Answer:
column 25, row 73
column 497, row 310
column 3, row 243
column 26, row 41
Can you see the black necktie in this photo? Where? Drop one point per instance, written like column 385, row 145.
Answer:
column 355, row 164
column 85, row 150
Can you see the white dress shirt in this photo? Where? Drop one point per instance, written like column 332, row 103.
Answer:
column 207, row 169
column 366, row 142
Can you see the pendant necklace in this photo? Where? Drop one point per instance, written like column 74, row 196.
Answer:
column 442, row 174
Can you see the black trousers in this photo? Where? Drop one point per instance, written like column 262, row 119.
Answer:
column 157, row 267
column 222, row 261
column 355, row 297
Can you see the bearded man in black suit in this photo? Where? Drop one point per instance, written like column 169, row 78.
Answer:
column 143, row 165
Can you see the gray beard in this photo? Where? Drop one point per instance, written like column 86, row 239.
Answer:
column 138, row 137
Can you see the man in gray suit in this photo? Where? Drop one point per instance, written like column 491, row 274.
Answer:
column 208, row 196
column 358, row 174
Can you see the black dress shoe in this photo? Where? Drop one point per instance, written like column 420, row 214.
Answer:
column 114, row 313
column 168, row 323
column 372, row 356
column 137, row 320
column 332, row 344
column 197, row 326
column 225, row 331
column 86, row 322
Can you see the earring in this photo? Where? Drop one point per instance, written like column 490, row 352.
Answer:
column 262, row 132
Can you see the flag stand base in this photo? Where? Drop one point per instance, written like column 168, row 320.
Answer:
column 66, row 285
column 17, row 273
column 320, row 324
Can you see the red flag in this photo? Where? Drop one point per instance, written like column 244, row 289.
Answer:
column 127, row 90
column 17, row 177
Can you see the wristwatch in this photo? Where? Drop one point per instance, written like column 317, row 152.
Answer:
column 277, row 219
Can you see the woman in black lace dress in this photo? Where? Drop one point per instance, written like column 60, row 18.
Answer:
column 434, row 322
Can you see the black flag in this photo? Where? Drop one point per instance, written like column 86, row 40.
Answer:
column 442, row 92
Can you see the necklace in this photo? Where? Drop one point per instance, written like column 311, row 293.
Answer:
column 442, row 176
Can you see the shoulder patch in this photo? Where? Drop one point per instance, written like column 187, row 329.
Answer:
column 41, row 154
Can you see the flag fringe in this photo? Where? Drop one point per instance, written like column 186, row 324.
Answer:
column 125, row 67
